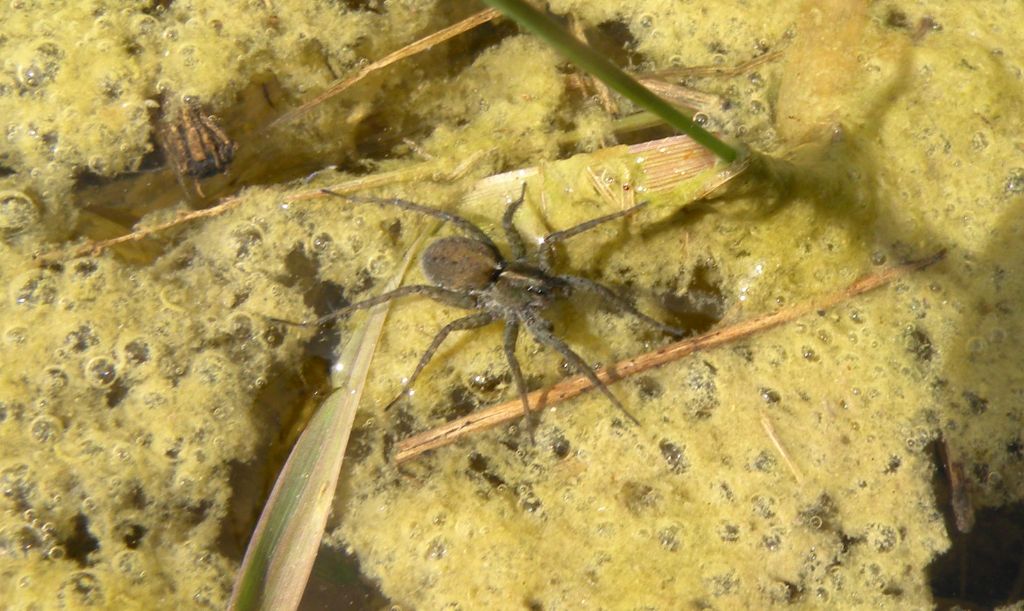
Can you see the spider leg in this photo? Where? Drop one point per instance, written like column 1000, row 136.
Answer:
column 544, row 254
column 545, row 336
column 511, row 336
column 437, row 293
column 472, row 321
column 454, row 219
column 619, row 303
column 515, row 240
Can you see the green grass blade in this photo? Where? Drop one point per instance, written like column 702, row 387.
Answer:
column 610, row 74
column 286, row 539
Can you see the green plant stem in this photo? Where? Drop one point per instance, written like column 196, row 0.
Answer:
column 610, row 74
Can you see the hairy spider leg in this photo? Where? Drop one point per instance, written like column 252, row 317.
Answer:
column 473, row 321
column 436, row 293
column 448, row 217
column 515, row 240
column 511, row 337
column 545, row 252
column 618, row 302
column 542, row 332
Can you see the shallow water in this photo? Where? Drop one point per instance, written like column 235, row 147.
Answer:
column 145, row 400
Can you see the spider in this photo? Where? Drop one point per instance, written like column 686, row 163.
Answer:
column 470, row 272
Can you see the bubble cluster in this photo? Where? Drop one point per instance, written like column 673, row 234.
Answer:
column 35, row 288
column 83, row 589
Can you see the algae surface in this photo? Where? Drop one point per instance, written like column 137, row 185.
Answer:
column 140, row 403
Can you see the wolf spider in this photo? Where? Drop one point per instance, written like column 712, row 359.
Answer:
column 470, row 272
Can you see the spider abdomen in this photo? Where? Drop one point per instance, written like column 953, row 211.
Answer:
column 460, row 264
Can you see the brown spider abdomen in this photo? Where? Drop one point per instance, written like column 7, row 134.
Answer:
column 461, row 264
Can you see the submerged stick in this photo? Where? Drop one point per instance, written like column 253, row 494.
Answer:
column 411, row 49
column 447, row 433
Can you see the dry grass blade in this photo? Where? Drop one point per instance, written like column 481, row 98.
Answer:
column 667, row 164
column 420, row 45
column 286, row 539
column 512, row 410
column 685, row 97
column 769, row 430
column 671, row 161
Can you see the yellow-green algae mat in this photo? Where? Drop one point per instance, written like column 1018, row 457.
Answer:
column 127, row 393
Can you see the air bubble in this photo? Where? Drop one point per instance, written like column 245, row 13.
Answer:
column 136, row 352
column 322, row 242
column 245, row 239
column 46, row 429
column 86, row 267
column 378, row 265
column 100, row 372
column 16, row 335
column 188, row 52
column 31, row 76
column 1015, row 182
column 240, row 327
column 81, row 589
column 18, row 212
column 54, row 381
column 97, row 165
column 211, row 369
column 273, row 336
column 144, row 25
column 976, row 345
column 204, row 597
column 128, row 564
column 437, row 550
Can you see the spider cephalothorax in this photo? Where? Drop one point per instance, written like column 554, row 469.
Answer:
column 470, row 272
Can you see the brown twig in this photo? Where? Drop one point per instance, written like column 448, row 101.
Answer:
column 411, row 49
column 95, row 248
column 497, row 415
